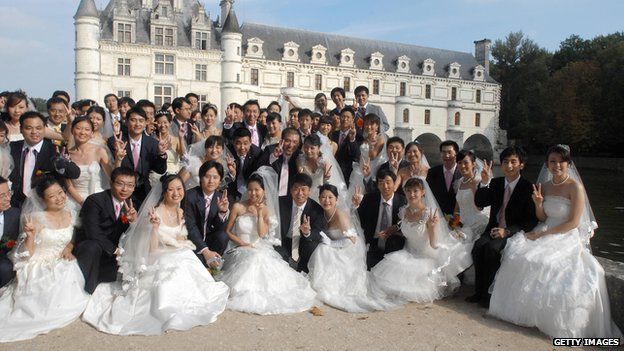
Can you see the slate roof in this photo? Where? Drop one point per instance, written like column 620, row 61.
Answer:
column 231, row 23
column 86, row 8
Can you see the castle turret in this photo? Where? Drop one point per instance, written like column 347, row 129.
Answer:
column 231, row 45
column 226, row 6
column 87, row 24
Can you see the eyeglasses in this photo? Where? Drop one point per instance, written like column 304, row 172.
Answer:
column 6, row 194
column 124, row 185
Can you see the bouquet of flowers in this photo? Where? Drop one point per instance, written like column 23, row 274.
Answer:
column 454, row 222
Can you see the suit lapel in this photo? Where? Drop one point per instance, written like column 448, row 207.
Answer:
column 108, row 205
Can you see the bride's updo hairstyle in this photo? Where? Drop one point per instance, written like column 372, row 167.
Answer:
column 414, row 183
column 374, row 119
column 413, row 144
column 97, row 109
column 330, row 188
column 465, row 153
column 313, row 140
column 44, row 184
column 256, row 178
column 82, row 119
column 562, row 150
column 165, row 180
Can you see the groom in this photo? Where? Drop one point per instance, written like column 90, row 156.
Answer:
column 301, row 223
column 9, row 228
column 104, row 216
column 512, row 210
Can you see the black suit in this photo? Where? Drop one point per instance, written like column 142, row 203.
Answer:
column 9, row 232
column 519, row 215
column 347, row 153
column 188, row 135
column 98, row 238
column 45, row 163
column 369, row 213
column 262, row 130
column 437, row 183
column 265, row 160
column 250, row 164
column 204, row 232
column 308, row 244
column 371, row 185
column 150, row 160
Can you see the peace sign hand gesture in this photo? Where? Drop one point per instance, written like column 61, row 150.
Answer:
column 366, row 168
column 223, row 203
column 228, row 115
column 29, row 228
column 394, row 162
column 279, row 149
column 305, row 227
column 357, row 196
column 154, row 218
column 486, row 171
column 131, row 213
column 432, row 221
column 164, row 145
column 327, row 171
column 231, row 165
column 352, row 133
column 537, row 196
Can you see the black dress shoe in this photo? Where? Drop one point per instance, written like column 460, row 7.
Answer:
column 485, row 303
column 474, row 298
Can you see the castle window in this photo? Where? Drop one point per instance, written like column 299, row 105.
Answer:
column 376, row 86
column 124, row 32
column 457, row 118
column 163, row 36
column 477, row 119
column 123, row 93
column 123, row 67
column 201, row 40
column 427, row 116
column 162, row 94
column 406, row 116
column 203, row 100
column 402, row 88
column 478, row 96
column 254, row 76
column 290, row 79
column 164, row 64
column 318, row 82
column 428, row 91
column 347, row 84
column 453, row 93
column 201, row 72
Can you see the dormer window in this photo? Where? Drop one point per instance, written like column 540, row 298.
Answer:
column 403, row 64
column 254, row 47
column 347, row 57
column 376, row 61
column 478, row 73
column 124, row 32
column 428, row 67
column 164, row 11
column 318, row 55
column 201, row 40
column 291, row 51
column 454, row 69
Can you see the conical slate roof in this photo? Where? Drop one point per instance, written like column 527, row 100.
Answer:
column 231, row 23
column 86, row 8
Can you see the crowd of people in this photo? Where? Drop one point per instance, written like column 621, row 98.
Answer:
column 140, row 219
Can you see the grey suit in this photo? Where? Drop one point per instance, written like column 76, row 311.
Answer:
column 371, row 108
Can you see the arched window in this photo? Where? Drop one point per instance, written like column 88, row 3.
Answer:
column 457, row 118
column 406, row 116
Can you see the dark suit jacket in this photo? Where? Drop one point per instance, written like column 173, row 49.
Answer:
column 376, row 109
column 347, row 153
column 11, row 226
column 371, row 185
column 175, row 127
column 520, row 210
column 306, row 244
column 228, row 134
column 202, row 229
column 99, row 223
column 149, row 161
column 265, row 160
column 437, row 183
column 369, row 212
column 249, row 166
column 44, row 163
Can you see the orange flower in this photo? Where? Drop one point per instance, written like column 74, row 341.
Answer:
column 10, row 244
column 38, row 173
column 360, row 123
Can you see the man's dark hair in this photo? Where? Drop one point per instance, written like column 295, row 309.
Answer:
column 514, row 150
column 189, row 95
column 450, row 143
column 3, row 180
column 176, row 104
column 272, row 116
column 249, row 103
column 339, row 90
column 294, row 109
column 63, row 93
column 382, row 173
column 304, row 113
column 109, row 95
column 288, row 131
column 360, row 89
column 211, row 164
column 214, row 140
column 241, row 133
column 348, row 109
column 123, row 171
column 29, row 115
column 126, row 100
column 276, row 104
column 55, row 100
column 302, row 179
column 142, row 104
column 395, row 139
column 135, row 110
column 235, row 105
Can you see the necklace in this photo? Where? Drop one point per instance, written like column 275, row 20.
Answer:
column 330, row 217
column 466, row 181
column 413, row 210
column 563, row 181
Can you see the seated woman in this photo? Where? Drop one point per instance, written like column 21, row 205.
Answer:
column 261, row 282
column 548, row 277
column 473, row 218
column 163, row 285
column 212, row 149
column 47, row 292
column 417, row 164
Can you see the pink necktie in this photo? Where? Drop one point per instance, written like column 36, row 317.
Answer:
column 136, row 151
column 117, row 209
column 208, row 202
column 501, row 214
column 341, row 138
column 283, row 183
column 29, row 165
column 448, row 176
column 254, row 137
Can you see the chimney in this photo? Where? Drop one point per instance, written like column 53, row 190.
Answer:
column 482, row 53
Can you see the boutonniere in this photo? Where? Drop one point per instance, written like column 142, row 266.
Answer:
column 124, row 218
column 39, row 173
column 8, row 244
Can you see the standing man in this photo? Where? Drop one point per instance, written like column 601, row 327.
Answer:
column 441, row 177
column 282, row 157
column 251, row 111
column 338, row 97
column 182, row 109
column 348, row 140
column 193, row 99
column 111, row 102
column 364, row 108
column 246, row 157
column 9, row 229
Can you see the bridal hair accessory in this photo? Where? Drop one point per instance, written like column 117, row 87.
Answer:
column 564, row 146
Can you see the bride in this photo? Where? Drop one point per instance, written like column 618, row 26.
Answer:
column 47, row 292
column 261, row 282
column 163, row 285
column 92, row 159
column 372, row 151
column 474, row 219
column 548, row 277
column 6, row 161
column 312, row 163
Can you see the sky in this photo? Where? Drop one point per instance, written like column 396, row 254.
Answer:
column 37, row 36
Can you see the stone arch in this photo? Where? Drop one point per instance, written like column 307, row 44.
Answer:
column 430, row 144
column 481, row 146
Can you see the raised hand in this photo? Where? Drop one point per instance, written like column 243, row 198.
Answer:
column 29, row 227
column 366, row 168
column 355, row 105
column 116, row 128
column 432, row 221
column 326, row 171
column 279, row 149
column 352, row 133
column 228, row 115
column 164, row 145
column 153, row 218
column 537, row 196
column 231, row 165
column 305, row 225
column 195, row 131
column 357, row 197
column 486, row 171
column 120, row 148
column 223, row 203
column 394, row 161
column 131, row 213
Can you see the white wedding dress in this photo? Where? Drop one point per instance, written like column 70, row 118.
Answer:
column 261, row 282
column 175, row 292
column 90, row 180
column 553, row 283
column 417, row 272
column 474, row 220
column 47, row 292
column 339, row 276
